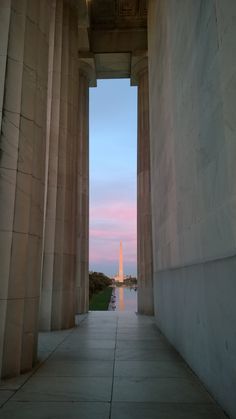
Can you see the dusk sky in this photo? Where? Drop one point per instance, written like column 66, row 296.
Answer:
column 113, row 167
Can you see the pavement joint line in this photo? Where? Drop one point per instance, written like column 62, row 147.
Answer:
column 113, row 370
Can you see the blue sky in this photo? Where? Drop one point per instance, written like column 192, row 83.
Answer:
column 113, row 168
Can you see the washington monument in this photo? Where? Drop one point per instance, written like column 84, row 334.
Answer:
column 121, row 273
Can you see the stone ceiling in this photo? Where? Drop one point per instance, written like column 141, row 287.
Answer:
column 118, row 14
column 112, row 32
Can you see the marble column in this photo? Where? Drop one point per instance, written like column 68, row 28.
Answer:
column 144, row 225
column 58, row 275
column 23, row 94
column 82, row 262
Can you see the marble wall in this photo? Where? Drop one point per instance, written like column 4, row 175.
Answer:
column 192, row 75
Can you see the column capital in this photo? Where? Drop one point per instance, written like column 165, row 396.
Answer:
column 87, row 68
column 139, row 66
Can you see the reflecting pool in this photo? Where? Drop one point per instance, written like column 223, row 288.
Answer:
column 124, row 299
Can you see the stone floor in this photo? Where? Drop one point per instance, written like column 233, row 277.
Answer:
column 113, row 366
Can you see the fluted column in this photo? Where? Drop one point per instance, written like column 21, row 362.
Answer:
column 23, row 94
column 82, row 262
column 144, row 226
column 58, row 278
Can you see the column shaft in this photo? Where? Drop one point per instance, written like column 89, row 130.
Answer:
column 144, row 227
column 53, row 118
column 82, row 262
column 58, row 283
column 23, row 74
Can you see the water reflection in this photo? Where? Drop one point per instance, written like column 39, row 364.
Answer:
column 124, row 299
column 121, row 299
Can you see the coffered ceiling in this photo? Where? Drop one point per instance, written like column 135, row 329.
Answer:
column 111, row 33
column 118, row 14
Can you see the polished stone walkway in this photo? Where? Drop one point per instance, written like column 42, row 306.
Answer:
column 113, row 366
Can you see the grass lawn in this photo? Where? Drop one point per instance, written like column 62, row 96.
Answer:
column 101, row 300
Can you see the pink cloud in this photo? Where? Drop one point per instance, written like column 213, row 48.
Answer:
column 109, row 224
column 116, row 211
column 101, row 254
column 112, row 235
